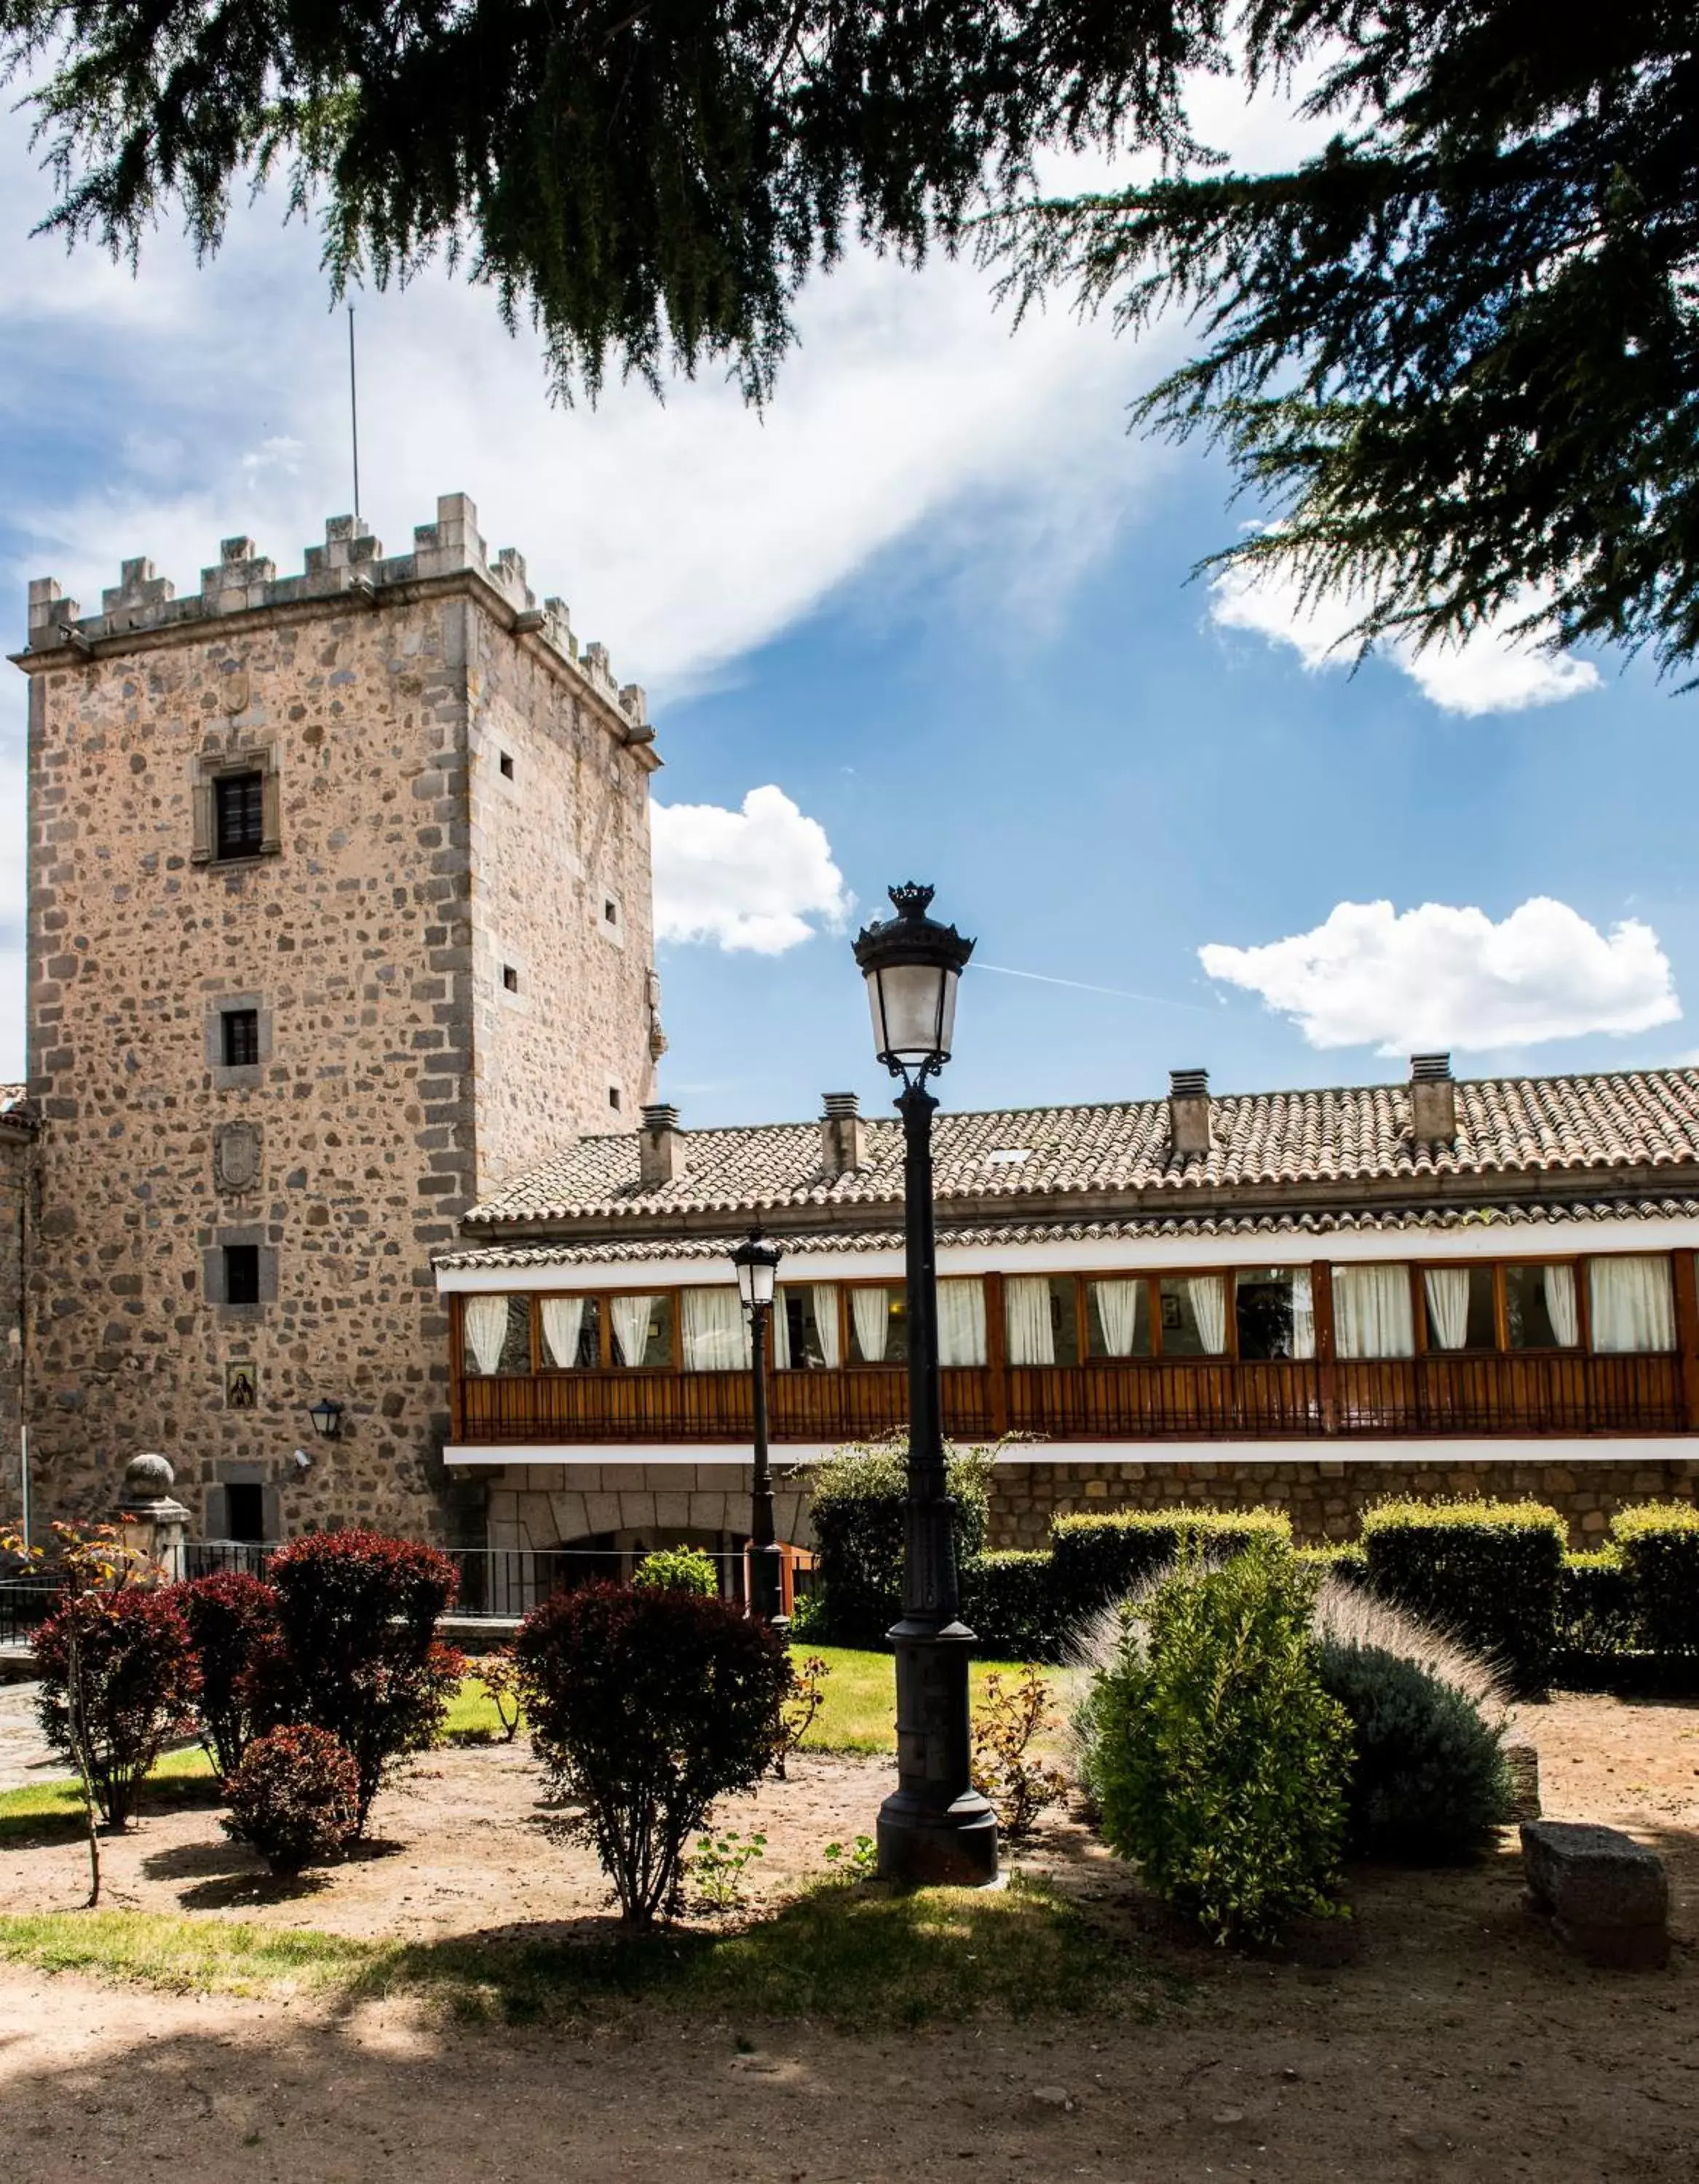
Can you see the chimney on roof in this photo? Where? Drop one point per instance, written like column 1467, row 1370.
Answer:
column 843, row 1135
column 1433, row 1100
column 1189, row 1123
column 660, row 1145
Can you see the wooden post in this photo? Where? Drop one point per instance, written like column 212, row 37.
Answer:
column 1322, row 1305
column 1687, row 1334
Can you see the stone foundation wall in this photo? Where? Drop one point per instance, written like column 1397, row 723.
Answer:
column 552, row 1505
column 1326, row 1500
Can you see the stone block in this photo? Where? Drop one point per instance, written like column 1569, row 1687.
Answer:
column 1606, row 1895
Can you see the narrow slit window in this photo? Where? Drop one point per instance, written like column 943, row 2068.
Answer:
column 614, row 1098
column 242, row 1273
column 240, row 1037
column 509, row 977
column 506, row 764
column 239, row 814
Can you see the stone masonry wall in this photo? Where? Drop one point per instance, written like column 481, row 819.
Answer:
column 539, row 1506
column 554, row 842
column 1323, row 1498
column 15, row 1148
column 346, row 1154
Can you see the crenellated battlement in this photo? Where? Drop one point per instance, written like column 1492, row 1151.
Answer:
column 350, row 563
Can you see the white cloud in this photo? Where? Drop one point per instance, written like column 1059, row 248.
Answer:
column 749, row 879
column 1491, row 671
column 1443, row 976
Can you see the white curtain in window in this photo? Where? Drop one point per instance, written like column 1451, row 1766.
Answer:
column 486, row 1325
column 563, row 1322
column 962, row 1322
column 826, row 1324
column 631, row 1315
column 1118, row 1306
column 1634, row 1307
column 867, row 1307
column 1374, row 1315
column 713, row 1331
column 1448, row 1306
column 1027, row 1308
column 1208, row 1295
column 1560, row 1305
column 1303, row 1314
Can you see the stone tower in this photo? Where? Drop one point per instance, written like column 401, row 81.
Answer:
column 339, row 912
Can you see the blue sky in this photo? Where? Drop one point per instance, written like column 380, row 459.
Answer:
column 934, row 610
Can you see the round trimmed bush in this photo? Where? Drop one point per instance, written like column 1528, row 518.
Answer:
column 645, row 1707
column 294, row 1798
column 231, row 1616
column 1217, row 1759
column 119, row 1680
column 677, row 1569
column 1428, row 1780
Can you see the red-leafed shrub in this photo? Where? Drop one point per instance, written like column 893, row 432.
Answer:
column 645, row 1707
column 355, row 1651
column 118, row 1679
column 293, row 1798
column 231, row 1616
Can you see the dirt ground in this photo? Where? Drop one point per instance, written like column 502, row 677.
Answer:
column 1440, row 2035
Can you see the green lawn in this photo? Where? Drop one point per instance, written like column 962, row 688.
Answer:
column 858, row 1715
column 852, row 1955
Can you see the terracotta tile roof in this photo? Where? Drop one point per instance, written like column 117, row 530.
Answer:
column 1344, row 1222
column 1636, row 1120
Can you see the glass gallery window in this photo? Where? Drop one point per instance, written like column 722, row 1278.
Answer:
column 497, row 1333
column 1459, row 1307
column 571, row 1331
column 1374, row 1312
column 713, row 1331
column 1193, row 1315
column 1539, row 1309
column 1631, row 1302
column 1272, row 1315
column 805, row 1329
column 1117, row 1318
column 1042, row 1323
column 878, row 1326
column 641, row 1329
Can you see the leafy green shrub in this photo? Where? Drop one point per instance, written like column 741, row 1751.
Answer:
column 858, row 1523
column 1659, row 1546
column 231, row 1616
column 355, row 1651
column 1428, row 1781
column 119, row 1680
column 294, row 1798
column 1009, row 1603
column 1348, row 1565
column 644, row 1707
column 1219, row 1762
column 1595, row 1605
column 1096, row 1560
column 677, row 1569
column 1488, row 1571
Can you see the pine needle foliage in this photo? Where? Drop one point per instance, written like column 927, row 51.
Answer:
column 1457, row 353
column 647, row 181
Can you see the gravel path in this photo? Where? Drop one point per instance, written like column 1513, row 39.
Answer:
column 23, row 1757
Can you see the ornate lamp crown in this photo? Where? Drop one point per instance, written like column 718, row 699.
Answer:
column 912, row 899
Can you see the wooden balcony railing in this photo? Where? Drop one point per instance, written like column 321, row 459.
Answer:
column 1131, row 1399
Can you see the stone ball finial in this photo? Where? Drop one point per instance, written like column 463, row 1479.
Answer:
column 147, row 1478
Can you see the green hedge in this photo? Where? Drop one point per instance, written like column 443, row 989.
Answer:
column 1659, row 1543
column 858, row 1527
column 1099, row 1559
column 1595, row 1607
column 1008, row 1600
column 1487, row 1572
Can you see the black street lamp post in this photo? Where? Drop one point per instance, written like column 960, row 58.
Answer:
column 757, row 1264
column 935, row 1827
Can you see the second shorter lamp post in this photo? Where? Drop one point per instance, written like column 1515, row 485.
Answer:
column 757, row 1264
column 935, row 1827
